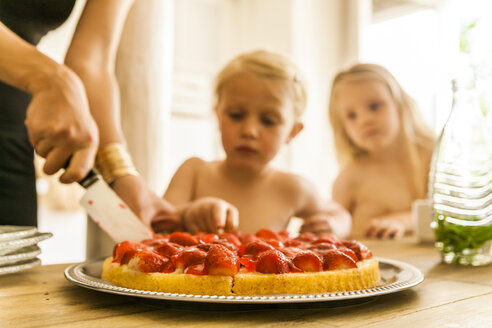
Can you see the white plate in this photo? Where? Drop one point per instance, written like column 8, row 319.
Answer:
column 395, row 276
column 8, row 232
column 19, row 266
column 22, row 254
column 8, row 246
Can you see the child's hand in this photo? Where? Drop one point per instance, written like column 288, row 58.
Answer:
column 318, row 224
column 385, row 229
column 211, row 215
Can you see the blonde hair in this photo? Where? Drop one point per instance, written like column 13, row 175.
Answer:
column 416, row 134
column 270, row 65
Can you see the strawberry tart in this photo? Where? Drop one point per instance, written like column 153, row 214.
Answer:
column 242, row 264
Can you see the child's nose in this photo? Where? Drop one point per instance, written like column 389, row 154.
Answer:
column 249, row 129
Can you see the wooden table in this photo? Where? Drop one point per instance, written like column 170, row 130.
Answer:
column 450, row 296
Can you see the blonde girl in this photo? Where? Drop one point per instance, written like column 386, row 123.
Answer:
column 260, row 97
column 384, row 150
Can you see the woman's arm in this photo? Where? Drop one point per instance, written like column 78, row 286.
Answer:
column 58, row 121
column 92, row 55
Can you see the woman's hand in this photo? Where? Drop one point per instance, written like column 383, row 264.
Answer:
column 154, row 211
column 59, row 125
column 318, row 224
column 385, row 229
column 211, row 215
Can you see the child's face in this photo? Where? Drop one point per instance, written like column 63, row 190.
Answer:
column 256, row 117
column 369, row 114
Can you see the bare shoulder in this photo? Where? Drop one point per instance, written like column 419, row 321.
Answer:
column 292, row 182
column 349, row 175
column 193, row 164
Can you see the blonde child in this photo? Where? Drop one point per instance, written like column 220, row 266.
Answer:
column 259, row 100
column 383, row 147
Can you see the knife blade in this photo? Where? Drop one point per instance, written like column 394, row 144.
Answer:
column 110, row 212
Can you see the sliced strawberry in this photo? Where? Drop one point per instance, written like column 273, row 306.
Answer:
column 360, row 249
column 293, row 243
column 221, row 261
column 227, row 244
column 127, row 256
column 150, row 261
column 206, row 237
column 272, row 261
column 307, row 237
column 184, row 238
column 232, row 238
column 267, row 234
column 198, row 269
column 121, row 248
column 336, row 260
column 257, row 247
column 168, row 249
column 188, row 257
column 247, row 238
column 308, row 261
column 325, row 240
column 349, row 252
column 249, row 263
column 284, row 235
column 277, row 244
column 322, row 248
column 291, row 252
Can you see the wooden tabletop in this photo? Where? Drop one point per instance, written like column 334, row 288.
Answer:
column 450, row 296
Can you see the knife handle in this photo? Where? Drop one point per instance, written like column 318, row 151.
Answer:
column 89, row 179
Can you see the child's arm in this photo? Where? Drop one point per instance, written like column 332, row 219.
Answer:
column 391, row 226
column 321, row 217
column 207, row 214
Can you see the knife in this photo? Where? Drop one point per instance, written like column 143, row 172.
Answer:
column 110, row 212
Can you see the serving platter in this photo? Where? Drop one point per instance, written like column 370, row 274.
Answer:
column 395, row 276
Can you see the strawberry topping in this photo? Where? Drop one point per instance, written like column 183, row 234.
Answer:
column 272, row 261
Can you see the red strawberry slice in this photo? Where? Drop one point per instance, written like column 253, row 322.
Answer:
column 325, row 240
column 230, row 237
column 188, row 257
column 307, row 237
column 184, row 238
column 120, row 249
column 267, row 234
column 168, row 249
column 248, row 263
column 206, row 237
column 360, row 249
column 277, row 244
column 336, row 260
column 293, row 243
column 308, row 261
column 221, row 261
column 247, row 238
column 198, row 269
column 349, row 252
column 272, row 261
column 322, row 248
column 150, row 261
column 256, row 248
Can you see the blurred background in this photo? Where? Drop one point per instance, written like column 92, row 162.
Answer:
column 171, row 50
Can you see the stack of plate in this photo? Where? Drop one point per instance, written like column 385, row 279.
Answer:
column 18, row 248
